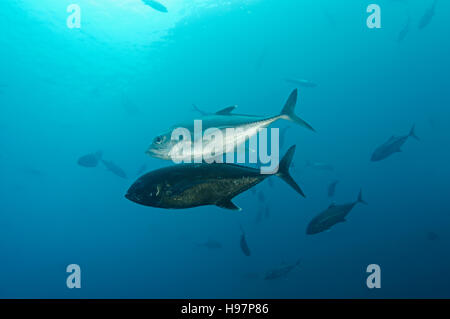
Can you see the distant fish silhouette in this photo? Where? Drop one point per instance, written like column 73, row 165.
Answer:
column 113, row 168
column 332, row 188
column 392, row 146
column 428, row 16
column 155, row 5
column 331, row 216
column 90, row 160
column 244, row 245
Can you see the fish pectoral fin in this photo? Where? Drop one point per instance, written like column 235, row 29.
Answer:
column 228, row 204
column 226, row 111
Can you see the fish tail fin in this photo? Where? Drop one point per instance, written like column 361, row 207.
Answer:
column 412, row 133
column 288, row 111
column 360, row 199
column 283, row 170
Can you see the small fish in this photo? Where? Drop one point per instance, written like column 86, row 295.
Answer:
column 245, row 126
column 301, row 82
column 392, row 146
column 192, row 185
column 113, row 168
column 320, row 166
column 332, row 188
column 211, row 244
column 331, row 216
column 244, row 245
column 428, row 16
column 281, row 272
column 90, row 160
column 155, row 5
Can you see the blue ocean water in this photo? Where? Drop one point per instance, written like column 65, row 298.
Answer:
column 131, row 71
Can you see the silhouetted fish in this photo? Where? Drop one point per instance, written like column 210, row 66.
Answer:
column 113, row 168
column 332, row 188
column 281, row 272
column 392, row 146
column 244, row 245
column 155, row 5
column 331, row 216
column 191, row 185
column 428, row 16
column 90, row 160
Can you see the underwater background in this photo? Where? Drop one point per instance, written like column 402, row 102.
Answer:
column 131, row 71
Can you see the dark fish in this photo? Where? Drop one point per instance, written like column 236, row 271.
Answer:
column 211, row 244
column 155, row 5
column 113, row 168
column 392, row 146
column 192, row 185
column 90, row 160
column 428, row 16
column 331, row 216
column 404, row 31
column 281, row 272
column 244, row 245
column 320, row 166
column 332, row 188
column 283, row 135
column 433, row 236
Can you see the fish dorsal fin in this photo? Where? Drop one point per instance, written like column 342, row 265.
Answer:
column 228, row 204
column 227, row 110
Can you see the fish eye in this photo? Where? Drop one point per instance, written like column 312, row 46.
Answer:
column 158, row 139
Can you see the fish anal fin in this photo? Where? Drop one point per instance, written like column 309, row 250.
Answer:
column 228, row 204
column 226, row 111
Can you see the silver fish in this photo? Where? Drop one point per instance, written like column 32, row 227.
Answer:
column 164, row 147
